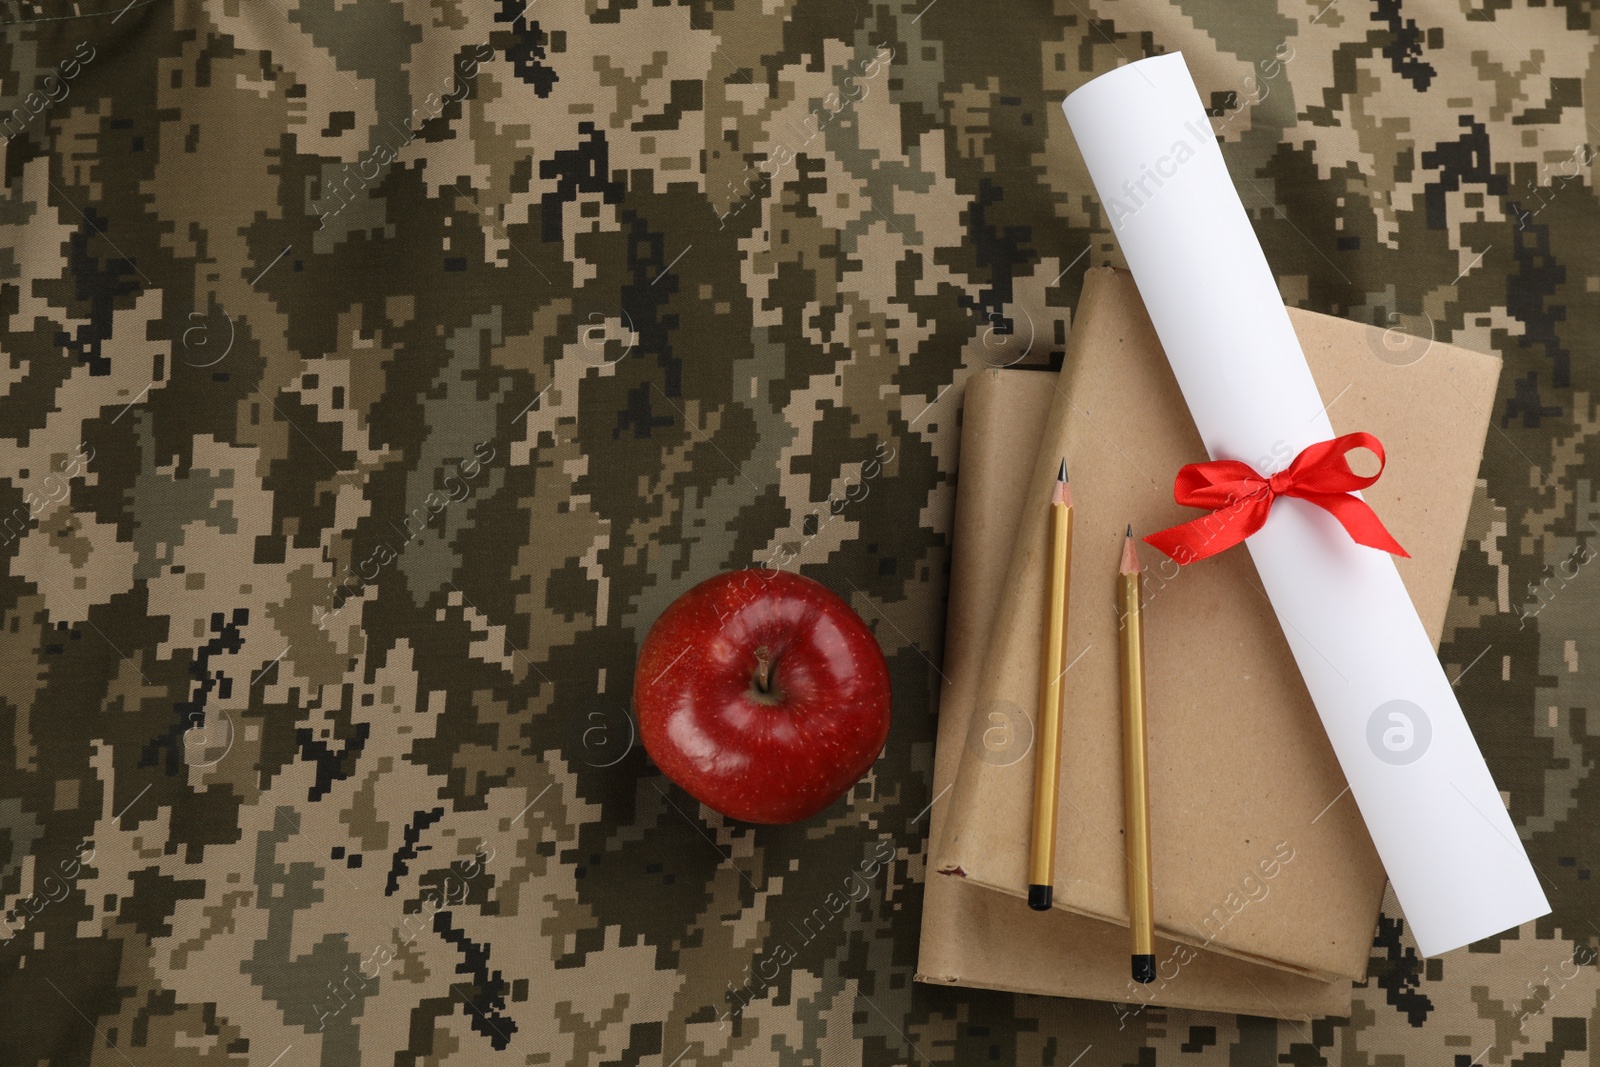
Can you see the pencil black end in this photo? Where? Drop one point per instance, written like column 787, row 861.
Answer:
column 1039, row 897
column 1144, row 968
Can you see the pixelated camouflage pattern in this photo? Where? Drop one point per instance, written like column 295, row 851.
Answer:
column 377, row 371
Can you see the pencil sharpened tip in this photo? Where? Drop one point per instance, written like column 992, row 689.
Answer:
column 1130, row 555
column 1130, row 530
column 1061, row 475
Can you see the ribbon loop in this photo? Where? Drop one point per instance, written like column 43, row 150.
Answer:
column 1240, row 499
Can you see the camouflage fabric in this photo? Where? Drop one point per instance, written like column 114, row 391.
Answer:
column 377, row 371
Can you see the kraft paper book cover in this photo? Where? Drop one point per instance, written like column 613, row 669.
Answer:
column 972, row 936
column 1241, row 769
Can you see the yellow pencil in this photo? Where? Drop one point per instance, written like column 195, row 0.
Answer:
column 1135, row 768
column 1047, row 764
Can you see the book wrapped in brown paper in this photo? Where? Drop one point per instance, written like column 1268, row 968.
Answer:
column 1257, row 852
column 973, row 936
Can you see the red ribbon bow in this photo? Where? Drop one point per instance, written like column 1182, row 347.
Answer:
column 1240, row 499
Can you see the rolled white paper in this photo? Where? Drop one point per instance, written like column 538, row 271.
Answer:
column 1435, row 816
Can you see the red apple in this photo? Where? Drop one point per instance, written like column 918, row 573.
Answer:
column 762, row 694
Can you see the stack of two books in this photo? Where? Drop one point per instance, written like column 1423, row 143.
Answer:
column 1267, row 887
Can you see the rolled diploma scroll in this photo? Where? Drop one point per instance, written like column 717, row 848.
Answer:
column 1438, row 822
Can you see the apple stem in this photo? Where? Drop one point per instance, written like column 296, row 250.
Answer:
column 763, row 669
